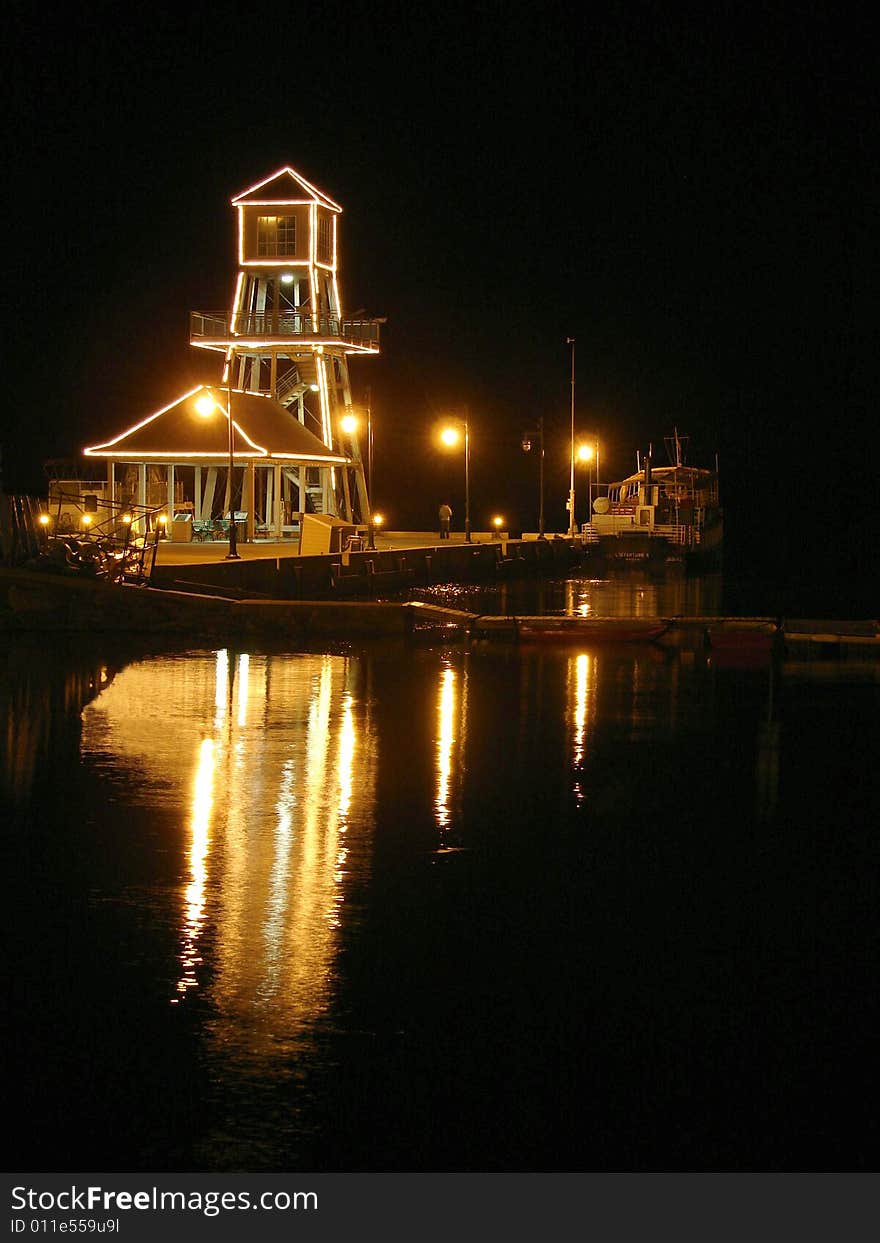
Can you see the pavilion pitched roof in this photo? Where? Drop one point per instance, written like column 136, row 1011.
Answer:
column 262, row 429
column 285, row 186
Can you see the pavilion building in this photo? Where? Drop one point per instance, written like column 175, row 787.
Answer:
column 285, row 386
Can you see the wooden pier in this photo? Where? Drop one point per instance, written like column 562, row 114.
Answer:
column 36, row 602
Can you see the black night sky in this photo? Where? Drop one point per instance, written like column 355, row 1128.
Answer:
column 687, row 195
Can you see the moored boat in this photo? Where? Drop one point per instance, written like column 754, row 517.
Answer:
column 659, row 514
column 589, row 630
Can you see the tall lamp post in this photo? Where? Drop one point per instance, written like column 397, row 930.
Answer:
column 571, row 526
column 371, row 526
column 597, row 478
column 207, row 406
column 233, row 554
column 449, row 436
column 585, row 454
column 527, row 444
column 349, row 425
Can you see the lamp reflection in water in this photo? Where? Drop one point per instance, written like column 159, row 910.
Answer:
column 451, row 738
column 272, row 761
column 445, row 740
column 200, row 824
column 582, row 696
column 243, row 670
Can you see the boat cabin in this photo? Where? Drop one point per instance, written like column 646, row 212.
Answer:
column 675, row 501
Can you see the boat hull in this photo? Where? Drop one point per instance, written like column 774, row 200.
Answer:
column 579, row 630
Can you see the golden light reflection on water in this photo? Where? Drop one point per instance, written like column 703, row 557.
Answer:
column 637, row 593
column 194, row 916
column 243, row 670
column 284, row 758
column 450, row 743
column 582, row 706
column 445, row 743
column 220, row 684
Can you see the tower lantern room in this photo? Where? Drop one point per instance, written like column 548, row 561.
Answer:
column 286, row 335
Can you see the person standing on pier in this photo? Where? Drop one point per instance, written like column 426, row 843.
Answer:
column 445, row 519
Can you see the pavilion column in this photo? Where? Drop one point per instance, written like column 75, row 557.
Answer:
column 210, row 488
column 111, row 480
column 279, row 508
column 142, row 494
column 170, row 494
column 250, row 496
column 198, row 495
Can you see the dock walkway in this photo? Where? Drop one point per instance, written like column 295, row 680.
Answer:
column 37, row 602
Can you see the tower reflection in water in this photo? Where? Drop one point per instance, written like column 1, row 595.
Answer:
column 277, row 947
column 279, row 758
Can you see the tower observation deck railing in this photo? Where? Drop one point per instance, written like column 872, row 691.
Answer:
column 253, row 327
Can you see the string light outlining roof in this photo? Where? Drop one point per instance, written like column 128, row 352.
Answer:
column 284, row 186
column 262, row 428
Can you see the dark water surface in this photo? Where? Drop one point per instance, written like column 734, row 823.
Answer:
column 404, row 908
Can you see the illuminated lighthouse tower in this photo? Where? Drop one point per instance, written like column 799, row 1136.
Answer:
column 286, row 336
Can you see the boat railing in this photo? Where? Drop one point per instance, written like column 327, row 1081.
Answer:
column 684, row 534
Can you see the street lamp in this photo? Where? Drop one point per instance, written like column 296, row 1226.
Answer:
column 571, row 527
column 589, row 452
column 206, row 405
column 585, row 454
column 527, row 445
column 449, row 436
column 349, row 425
column 232, row 555
column 371, row 531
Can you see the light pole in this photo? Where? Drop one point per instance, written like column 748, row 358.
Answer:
column 571, row 526
column 467, row 479
column 449, row 436
column 206, row 406
column 371, row 526
column 585, row 454
column 589, row 452
column 527, row 444
column 597, row 478
column 233, row 554
column 349, row 425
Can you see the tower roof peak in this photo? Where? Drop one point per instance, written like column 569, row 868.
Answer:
column 285, row 185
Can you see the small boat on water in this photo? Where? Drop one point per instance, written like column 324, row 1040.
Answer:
column 660, row 514
column 741, row 633
column 589, row 630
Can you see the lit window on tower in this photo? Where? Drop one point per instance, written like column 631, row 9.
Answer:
column 325, row 253
column 276, row 235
